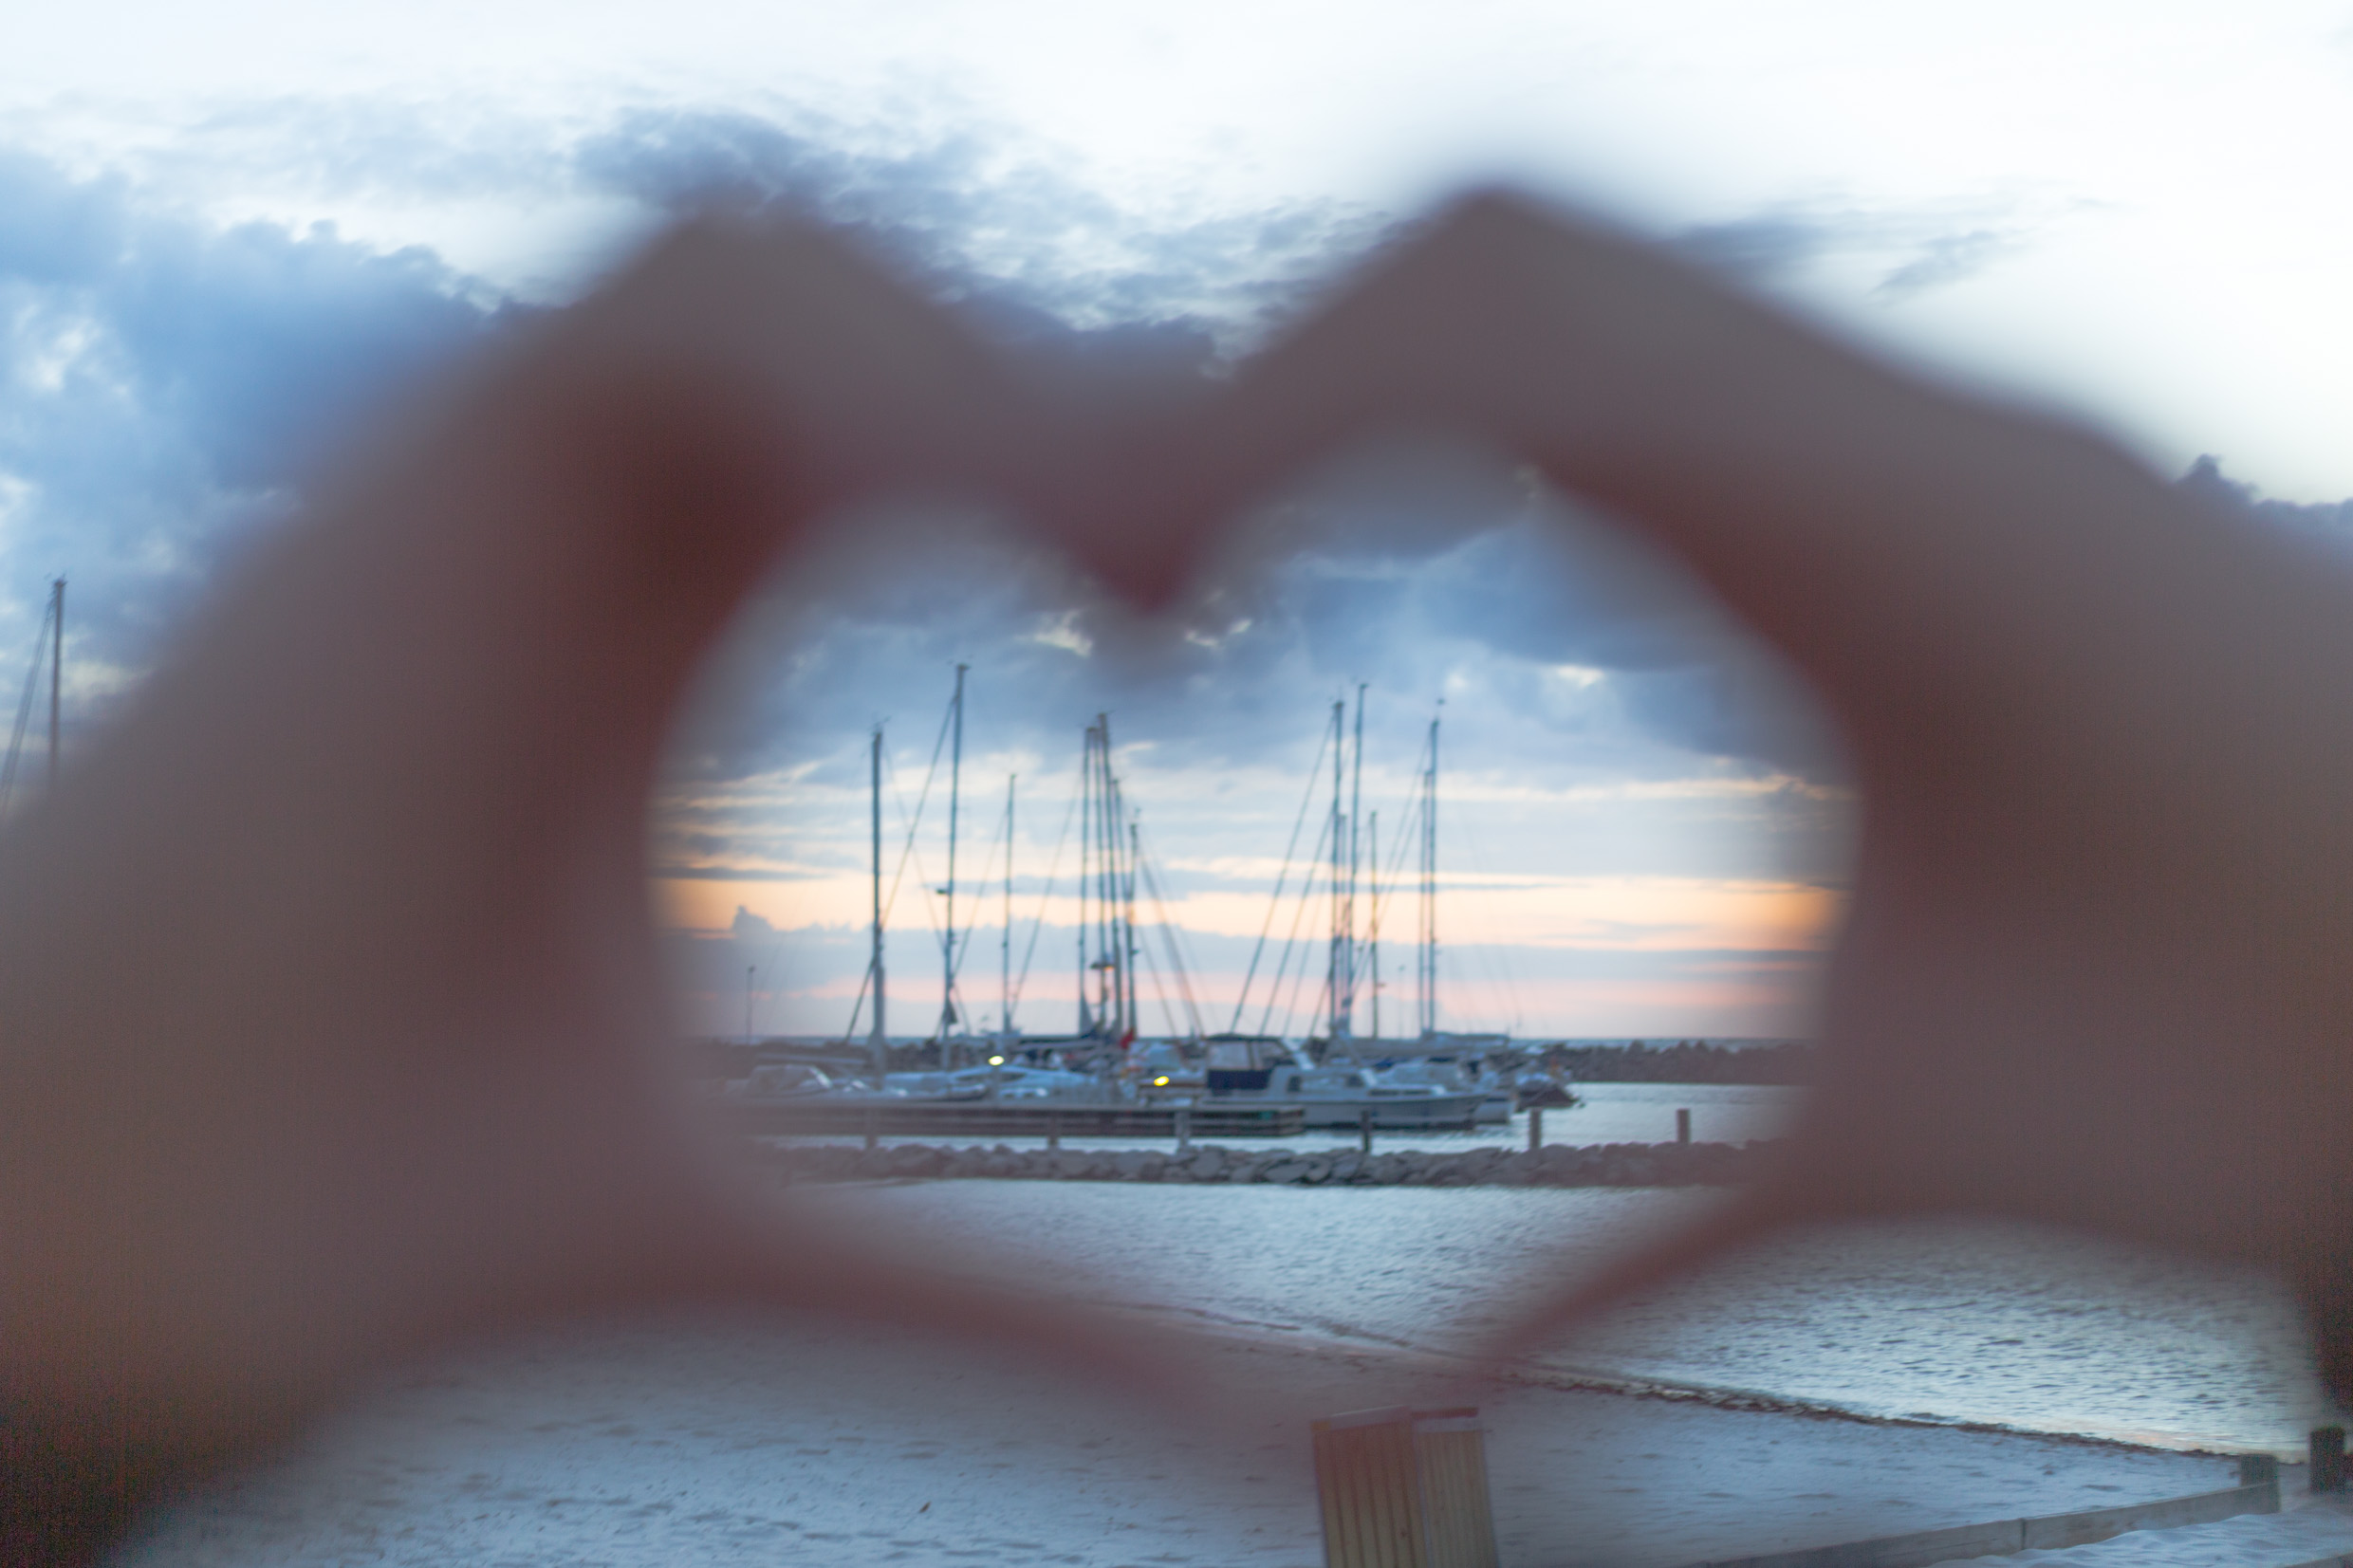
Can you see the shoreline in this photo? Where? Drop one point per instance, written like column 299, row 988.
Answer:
column 1423, row 1360
column 732, row 1441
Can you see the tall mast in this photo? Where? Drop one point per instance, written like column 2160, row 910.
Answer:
column 1086, row 829
column 57, row 671
column 1336, row 1029
column 1111, row 1010
column 1004, row 943
column 1426, row 970
column 947, row 942
column 1372, row 913
column 1135, row 854
column 878, row 1044
column 1356, row 815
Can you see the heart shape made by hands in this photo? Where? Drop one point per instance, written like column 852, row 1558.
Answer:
column 366, row 1065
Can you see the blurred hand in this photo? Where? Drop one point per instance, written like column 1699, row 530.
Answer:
column 329, row 997
column 332, row 1020
column 2098, row 966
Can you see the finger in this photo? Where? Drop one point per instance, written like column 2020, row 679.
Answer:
column 739, row 1242
column 1574, row 1299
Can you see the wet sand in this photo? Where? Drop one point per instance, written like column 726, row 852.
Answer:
column 728, row 1443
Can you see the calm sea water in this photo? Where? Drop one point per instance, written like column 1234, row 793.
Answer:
column 1950, row 1322
column 643, row 1445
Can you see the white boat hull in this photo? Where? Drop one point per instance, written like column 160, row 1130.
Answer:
column 1401, row 1113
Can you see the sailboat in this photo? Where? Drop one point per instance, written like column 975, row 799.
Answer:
column 1349, row 1083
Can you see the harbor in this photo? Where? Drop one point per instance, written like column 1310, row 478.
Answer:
column 1300, row 1048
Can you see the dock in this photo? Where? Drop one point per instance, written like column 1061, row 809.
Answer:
column 1014, row 1119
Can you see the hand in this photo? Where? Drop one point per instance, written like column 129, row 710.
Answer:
column 2098, row 965
column 332, row 1016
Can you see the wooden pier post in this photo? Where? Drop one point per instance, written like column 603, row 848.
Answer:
column 1682, row 1127
column 1053, row 1134
column 1535, row 1128
column 2258, row 1469
column 1184, row 1127
column 873, row 1136
column 1403, row 1488
column 2327, row 1457
column 1364, row 1129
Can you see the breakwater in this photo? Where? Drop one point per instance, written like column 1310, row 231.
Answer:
column 1557, row 1165
column 1781, row 1062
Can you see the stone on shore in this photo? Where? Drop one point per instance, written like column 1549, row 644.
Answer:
column 1556, row 1164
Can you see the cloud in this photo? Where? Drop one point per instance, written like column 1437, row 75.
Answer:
column 161, row 381
column 1946, row 259
column 163, row 377
column 1914, row 250
column 2329, row 520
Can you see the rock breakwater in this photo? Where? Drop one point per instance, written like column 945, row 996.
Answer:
column 1564, row 1164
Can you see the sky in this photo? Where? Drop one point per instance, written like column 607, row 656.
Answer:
column 226, row 231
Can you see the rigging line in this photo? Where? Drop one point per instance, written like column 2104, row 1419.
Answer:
column 1409, row 811
column 1159, row 992
column 1053, row 869
column 1306, row 894
column 859, row 1006
column 1168, row 939
column 1171, row 938
column 890, row 770
column 988, row 874
column 1275, row 903
column 23, row 709
column 1499, row 958
column 1311, row 894
column 911, row 851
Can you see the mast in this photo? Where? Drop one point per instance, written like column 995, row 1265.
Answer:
column 878, row 1044
column 1004, row 943
column 1086, row 830
column 57, row 671
column 1336, row 1029
column 1371, row 913
column 1426, row 969
column 1111, row 1010
column 1135, row 854
column 948, row 941
column 1356, row 815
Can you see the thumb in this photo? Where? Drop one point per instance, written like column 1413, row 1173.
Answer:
column 789, row 1254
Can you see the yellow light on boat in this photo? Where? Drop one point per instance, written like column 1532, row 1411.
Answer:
column 1161, row 1082
column 996, row 1062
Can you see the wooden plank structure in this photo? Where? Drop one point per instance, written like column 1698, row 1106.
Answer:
column 1404, row 1488
column 2003, row 1537
column 1016, row 1118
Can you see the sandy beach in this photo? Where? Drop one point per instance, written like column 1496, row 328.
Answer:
column 740, row 1441
column 728, row 1441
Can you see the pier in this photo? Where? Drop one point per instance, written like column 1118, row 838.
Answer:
column 1017, row 1119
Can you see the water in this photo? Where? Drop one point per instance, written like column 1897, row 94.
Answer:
column 640, row 1445
column 1948, row 1322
